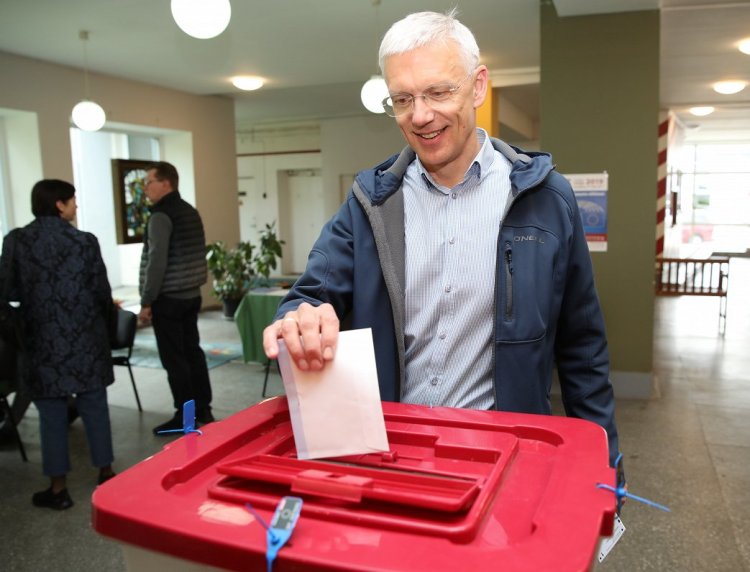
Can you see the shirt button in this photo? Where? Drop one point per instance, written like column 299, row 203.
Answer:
column 448, row 288
column 433, row 381
column 452, row 241
column 442, row 335
column 453, row 195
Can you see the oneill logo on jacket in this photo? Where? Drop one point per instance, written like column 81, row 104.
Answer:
column 528, row 238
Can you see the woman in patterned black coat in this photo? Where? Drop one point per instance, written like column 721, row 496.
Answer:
column 60, row 280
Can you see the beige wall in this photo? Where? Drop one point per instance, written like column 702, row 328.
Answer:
column 50, row 91
column 352, row 144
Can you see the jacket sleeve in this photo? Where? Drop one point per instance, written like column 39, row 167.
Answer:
column 159, row 232
column 581, row 343
column 328, row 275
column 99, row 280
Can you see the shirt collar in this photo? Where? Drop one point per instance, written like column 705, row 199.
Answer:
column 479, row 167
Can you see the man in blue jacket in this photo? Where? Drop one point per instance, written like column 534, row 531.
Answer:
column 465, row 256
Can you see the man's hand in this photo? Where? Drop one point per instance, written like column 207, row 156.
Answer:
column 310, row 334
column 144, row 316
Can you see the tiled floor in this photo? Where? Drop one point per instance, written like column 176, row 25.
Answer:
column 688, row 448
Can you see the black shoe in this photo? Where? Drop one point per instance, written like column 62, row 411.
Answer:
column 171, row 425
column 203, row 416
column 104, row 478
column 55, row 501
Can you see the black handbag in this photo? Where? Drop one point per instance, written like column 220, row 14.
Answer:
column 11, row 326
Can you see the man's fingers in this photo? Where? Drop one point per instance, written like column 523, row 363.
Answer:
column 310, row 334
column 271, row 334
column 329, row 331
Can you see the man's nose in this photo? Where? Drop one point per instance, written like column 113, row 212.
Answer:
column 422, row 112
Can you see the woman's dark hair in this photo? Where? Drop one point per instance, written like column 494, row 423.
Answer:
column 166, row 171
column 46, row 193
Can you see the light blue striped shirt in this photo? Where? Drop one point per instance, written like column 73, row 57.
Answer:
column 451, row 248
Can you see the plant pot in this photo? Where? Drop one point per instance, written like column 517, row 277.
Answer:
column 230, row 307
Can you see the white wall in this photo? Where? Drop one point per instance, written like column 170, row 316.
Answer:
column 94, row 195
column 262, row 178
column 24, row 163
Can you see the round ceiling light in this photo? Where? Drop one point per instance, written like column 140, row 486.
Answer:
column 247, row 82
column 202, row 19
column 729, row 87
column 89, row 116
column 701, row 111
column 373, row 93
column 744, row 46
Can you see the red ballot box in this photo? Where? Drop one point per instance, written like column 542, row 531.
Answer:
column 459, row 490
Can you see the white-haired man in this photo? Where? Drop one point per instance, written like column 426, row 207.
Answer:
column 465, row 256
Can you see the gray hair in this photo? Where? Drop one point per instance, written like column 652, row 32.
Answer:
column 422, row 28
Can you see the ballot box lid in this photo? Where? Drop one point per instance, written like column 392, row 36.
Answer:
column 458, row 489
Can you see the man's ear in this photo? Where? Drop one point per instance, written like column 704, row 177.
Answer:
column 60, row 204
column 480, row 86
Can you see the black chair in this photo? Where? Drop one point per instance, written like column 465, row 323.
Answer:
column 8, row 385
column 124, row 337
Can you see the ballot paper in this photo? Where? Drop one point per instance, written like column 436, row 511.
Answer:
column 336, row 411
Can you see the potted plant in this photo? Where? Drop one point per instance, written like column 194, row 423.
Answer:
column 268, row 253
column 237, row 270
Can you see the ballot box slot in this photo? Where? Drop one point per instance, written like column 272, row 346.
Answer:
column 353, row 484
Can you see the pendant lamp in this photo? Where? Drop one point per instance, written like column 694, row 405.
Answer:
column 87, row 115
column 374, row 91
column 202, row 19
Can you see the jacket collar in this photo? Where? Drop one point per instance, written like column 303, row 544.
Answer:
column 528, row 169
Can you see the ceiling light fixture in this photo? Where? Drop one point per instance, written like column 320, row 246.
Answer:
column 744, row 46
column 87, row 115
column 729, row 87
column 701, row 111
column 372, row 94
column 202, row 19
column 375, row 90
column 247, row 82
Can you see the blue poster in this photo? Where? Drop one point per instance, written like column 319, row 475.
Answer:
column 591, row 193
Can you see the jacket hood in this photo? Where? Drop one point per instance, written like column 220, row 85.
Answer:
column 528, row 169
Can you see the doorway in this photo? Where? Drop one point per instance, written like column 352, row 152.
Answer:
column 301, row 214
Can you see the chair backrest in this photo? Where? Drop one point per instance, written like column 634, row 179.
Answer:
column 127, row 323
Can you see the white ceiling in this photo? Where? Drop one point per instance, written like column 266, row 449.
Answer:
column 316, row 54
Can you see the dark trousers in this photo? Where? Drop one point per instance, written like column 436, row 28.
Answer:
column 53, row 430
column 175, row 322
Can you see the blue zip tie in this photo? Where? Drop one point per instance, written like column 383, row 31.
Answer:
column 270, row 536
column 621, row 492
column 260, row 519
column 188, row 421
column 277, row 537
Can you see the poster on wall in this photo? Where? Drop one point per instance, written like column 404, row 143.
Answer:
column 131, row 204
column 591, row 193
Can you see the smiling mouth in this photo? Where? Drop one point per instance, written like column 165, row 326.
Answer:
column 430, row 135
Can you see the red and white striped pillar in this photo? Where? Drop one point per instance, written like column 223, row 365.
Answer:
column 665, row 124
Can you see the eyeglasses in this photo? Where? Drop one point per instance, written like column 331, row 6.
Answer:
column 434, row 96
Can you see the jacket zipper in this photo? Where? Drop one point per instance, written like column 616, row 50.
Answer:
column 508, row 282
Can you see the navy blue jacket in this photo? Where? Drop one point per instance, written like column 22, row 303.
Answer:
column 59, row 278
column 547, row 311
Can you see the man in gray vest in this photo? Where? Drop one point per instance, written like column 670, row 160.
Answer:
column 173, row 268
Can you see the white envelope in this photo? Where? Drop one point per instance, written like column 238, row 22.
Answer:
column 336, row 411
